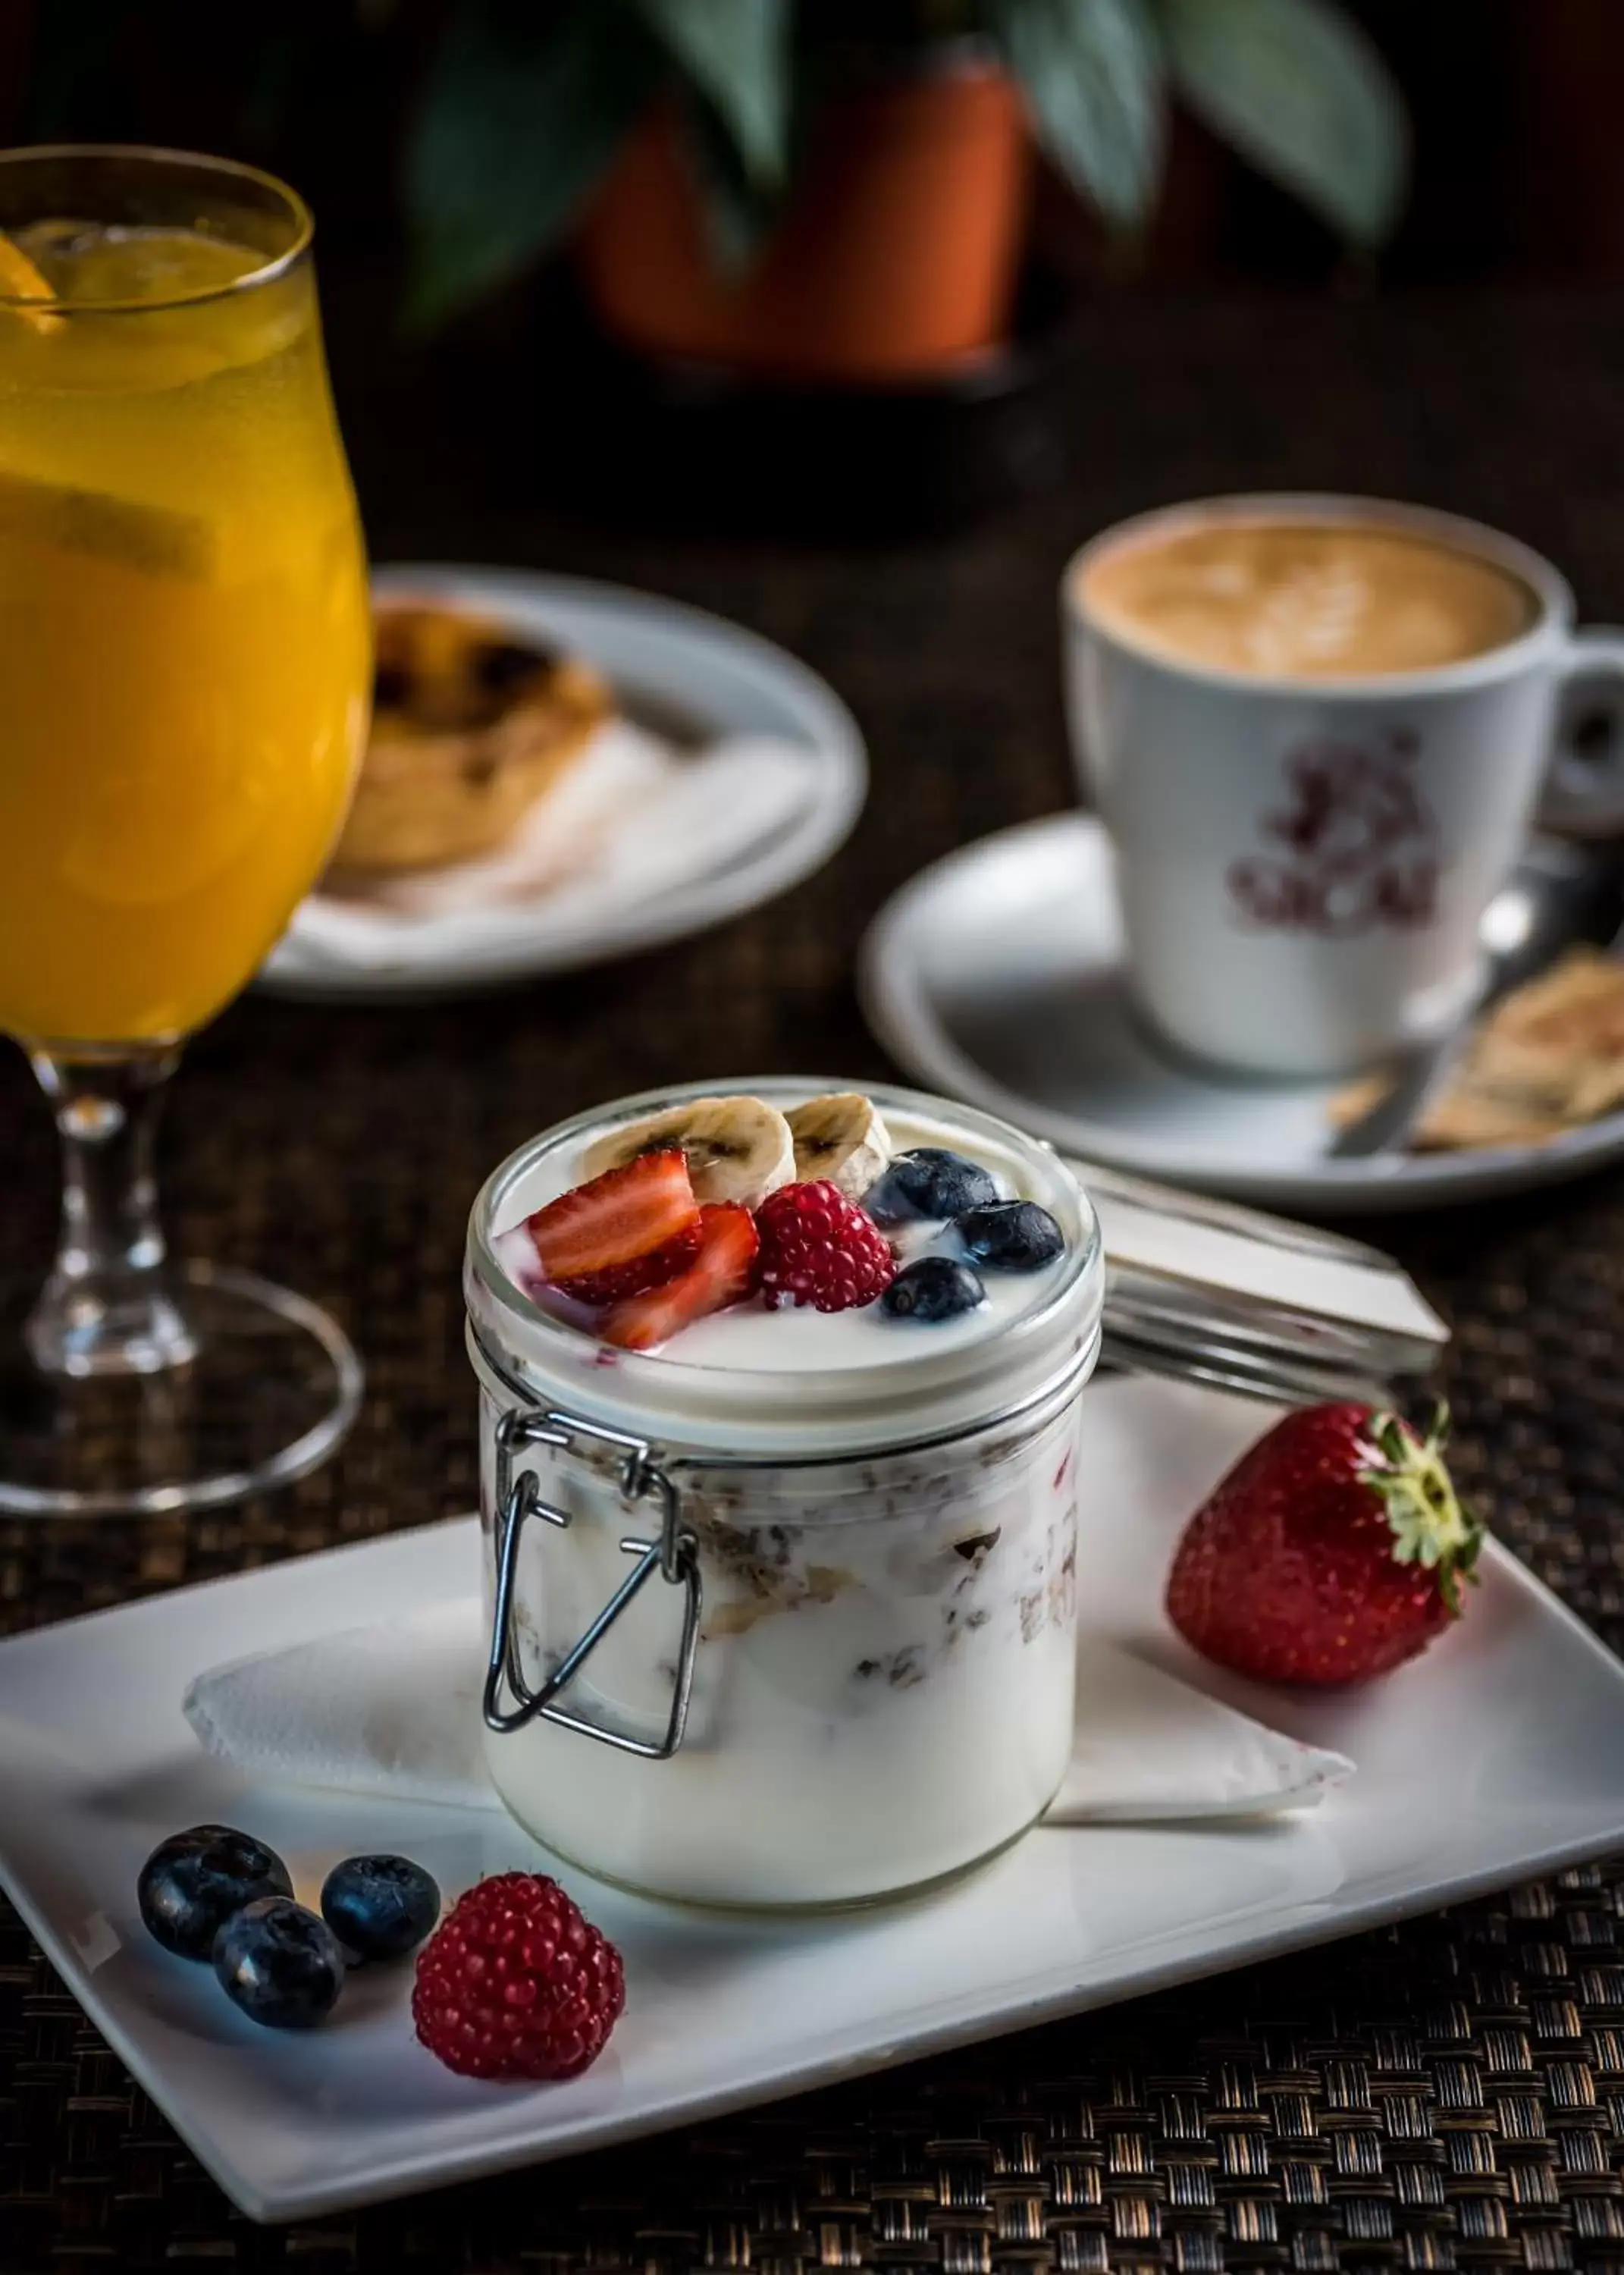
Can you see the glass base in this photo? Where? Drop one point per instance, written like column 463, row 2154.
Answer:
column 271, row 1389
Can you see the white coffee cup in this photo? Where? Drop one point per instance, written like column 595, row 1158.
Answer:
column 1255, row 944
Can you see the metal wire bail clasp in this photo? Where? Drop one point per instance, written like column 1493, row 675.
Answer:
column 674, row 1555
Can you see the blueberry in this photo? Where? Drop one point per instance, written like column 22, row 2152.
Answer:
column 380, row 1907
column 280, row 1964
column 1011, row 1236
column 932, row 1288
column 930, row 1182
column 192, row 1882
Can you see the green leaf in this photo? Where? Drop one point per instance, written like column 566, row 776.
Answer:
column 521, row 115
column 1092, row 73
column 737, row 53
column 1299, row 90
column 739, row 214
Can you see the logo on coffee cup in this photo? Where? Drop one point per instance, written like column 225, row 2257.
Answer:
column 1354, row 847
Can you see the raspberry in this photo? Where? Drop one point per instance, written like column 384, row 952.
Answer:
column 515, row 1982
column 818, row 1248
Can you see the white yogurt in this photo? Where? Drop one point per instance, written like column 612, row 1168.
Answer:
column 883, row 1681
column 798, row 1340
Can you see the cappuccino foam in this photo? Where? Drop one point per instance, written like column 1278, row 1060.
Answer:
column 1282, row 600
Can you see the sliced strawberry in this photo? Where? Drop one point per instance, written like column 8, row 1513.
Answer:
column 621, row 1218
column 722, row 1272
column 597, row 1289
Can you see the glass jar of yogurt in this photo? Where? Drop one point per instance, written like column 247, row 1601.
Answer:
column 783, row 1611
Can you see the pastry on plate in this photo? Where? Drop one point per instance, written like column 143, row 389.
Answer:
column 1548, row 1057
column 472, row 725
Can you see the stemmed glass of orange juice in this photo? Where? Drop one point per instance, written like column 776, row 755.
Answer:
column 184, row 676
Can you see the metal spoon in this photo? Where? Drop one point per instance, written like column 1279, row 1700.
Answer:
column 1559, row 892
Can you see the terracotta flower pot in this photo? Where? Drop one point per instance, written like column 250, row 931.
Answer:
column 896, row 258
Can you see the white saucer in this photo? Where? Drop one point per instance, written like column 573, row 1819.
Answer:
column 666, row 662
column 996, row 976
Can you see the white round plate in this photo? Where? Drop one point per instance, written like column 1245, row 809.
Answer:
column 664, row 660
column 996, row 976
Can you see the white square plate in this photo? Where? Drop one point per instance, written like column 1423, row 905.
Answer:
column 1501, row 1753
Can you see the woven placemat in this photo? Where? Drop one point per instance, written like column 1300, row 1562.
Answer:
column 1450, row 2094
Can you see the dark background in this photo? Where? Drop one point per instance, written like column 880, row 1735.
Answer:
column 1518, row 190
column 1516, row 106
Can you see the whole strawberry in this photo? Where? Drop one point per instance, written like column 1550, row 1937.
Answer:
column 1334, row 1550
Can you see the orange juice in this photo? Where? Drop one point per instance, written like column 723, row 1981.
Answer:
column 183, row 628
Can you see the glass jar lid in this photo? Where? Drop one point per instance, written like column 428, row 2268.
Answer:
column 799, row 1384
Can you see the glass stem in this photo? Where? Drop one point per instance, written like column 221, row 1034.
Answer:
column 107, row 1307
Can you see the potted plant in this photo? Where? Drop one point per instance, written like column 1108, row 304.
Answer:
column 837, row 189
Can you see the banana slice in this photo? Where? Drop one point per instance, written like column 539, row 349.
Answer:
column 738, row 1149
column 842, row 1139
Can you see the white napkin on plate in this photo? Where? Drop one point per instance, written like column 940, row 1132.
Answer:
column 394, row 1709
column 632, row 820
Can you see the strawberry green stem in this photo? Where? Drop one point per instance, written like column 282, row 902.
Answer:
column 1430, row 1527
